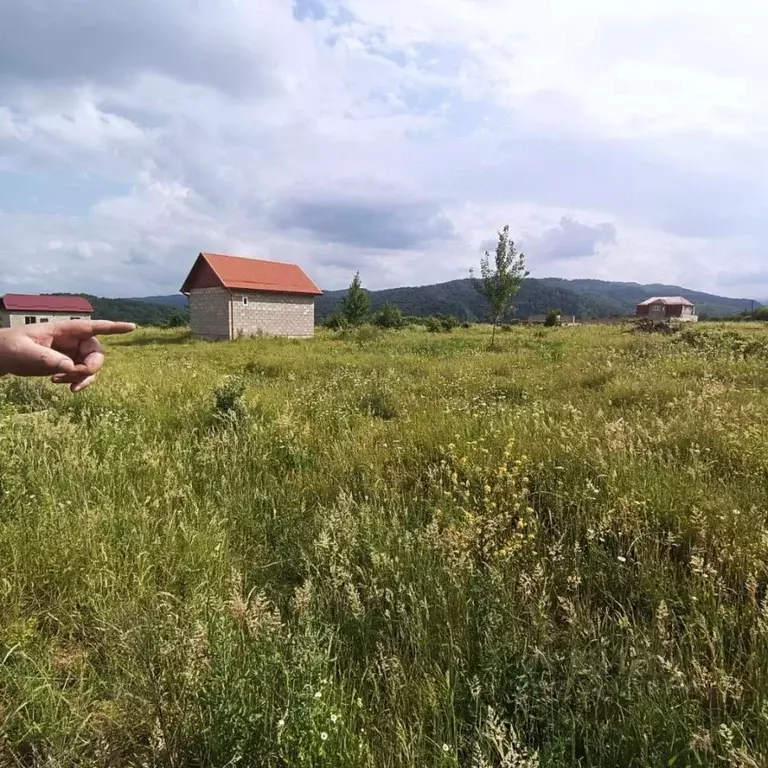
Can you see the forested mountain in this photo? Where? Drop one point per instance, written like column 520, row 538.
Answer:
column 459, row 298
column 628, row 295
column 584, row 298
column 173, row 300
column 132, row 310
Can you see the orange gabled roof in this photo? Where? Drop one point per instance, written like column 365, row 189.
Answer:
column 239, row 273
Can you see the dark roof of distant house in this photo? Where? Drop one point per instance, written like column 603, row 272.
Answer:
column 21, row 302
column 245, row 274
column 675, row 301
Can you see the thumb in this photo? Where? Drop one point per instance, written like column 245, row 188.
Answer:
column 52, row 362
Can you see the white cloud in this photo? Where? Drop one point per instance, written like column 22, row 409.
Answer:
column 393, row 136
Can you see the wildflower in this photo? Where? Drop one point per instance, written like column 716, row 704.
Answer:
column 446, row 748
column 621, row 559
column 334, row 718
column 318, row 694
column 280, row 723
column 324, row 736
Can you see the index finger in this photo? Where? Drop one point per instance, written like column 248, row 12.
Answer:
column 84, row 329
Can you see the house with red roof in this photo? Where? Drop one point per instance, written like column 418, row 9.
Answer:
column 23, row 309
column 233, row 296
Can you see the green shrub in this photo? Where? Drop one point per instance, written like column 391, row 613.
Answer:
column 229, row 400
column 389, row 317
column 336, row 322
column 449, row 322
column 178, row 319
column 553, row 318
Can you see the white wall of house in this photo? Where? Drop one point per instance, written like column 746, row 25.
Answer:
column 14, row 319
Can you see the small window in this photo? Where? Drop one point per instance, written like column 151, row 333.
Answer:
column 30, row 319
column 245, row 301
column 43, row 320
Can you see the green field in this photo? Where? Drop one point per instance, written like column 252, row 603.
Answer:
column 394, row 550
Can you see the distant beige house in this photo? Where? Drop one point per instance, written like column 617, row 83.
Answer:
column 23, row 309
column 668, row 308
column 232, row 296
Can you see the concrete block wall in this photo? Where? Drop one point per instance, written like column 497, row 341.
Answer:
column 209, row 313
column 275, row 314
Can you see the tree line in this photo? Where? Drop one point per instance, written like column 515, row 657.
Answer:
column 501, row 277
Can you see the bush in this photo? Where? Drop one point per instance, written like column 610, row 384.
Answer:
column 229, row 400
column 441, row 323
column 390, row 317
column 366, row 334
column 553, row 318
column 362, row 335
column 449, row 322
column 178, row 320
column 336, row 322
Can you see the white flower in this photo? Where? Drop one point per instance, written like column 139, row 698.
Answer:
column 446, row 748
column 323, row 736
column 318, row 694
column 622, row 559
column 334, row 718
column 280, row 723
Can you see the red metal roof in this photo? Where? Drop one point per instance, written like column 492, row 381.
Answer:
column 19, row 302
column 239, row 273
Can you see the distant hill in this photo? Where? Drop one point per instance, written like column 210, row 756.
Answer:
column 131, row 310
column 584, row 298
column 174, row 300
column 628, row 295
column 459, row 298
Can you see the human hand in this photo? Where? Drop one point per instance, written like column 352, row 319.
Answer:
column 67, row 350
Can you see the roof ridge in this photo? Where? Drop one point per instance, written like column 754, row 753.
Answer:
column 248, row 273
column 251, row 258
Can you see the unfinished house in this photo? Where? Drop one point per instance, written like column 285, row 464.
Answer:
column 231, row 296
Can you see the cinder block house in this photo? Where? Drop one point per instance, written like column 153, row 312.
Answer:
column 668, row 308
column 231, row 296
column 22, row 309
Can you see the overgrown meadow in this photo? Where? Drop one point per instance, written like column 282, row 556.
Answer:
column 396, row 549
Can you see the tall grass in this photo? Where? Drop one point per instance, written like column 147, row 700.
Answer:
column 408, row 552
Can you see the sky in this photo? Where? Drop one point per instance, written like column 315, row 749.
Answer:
column 619, row 141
